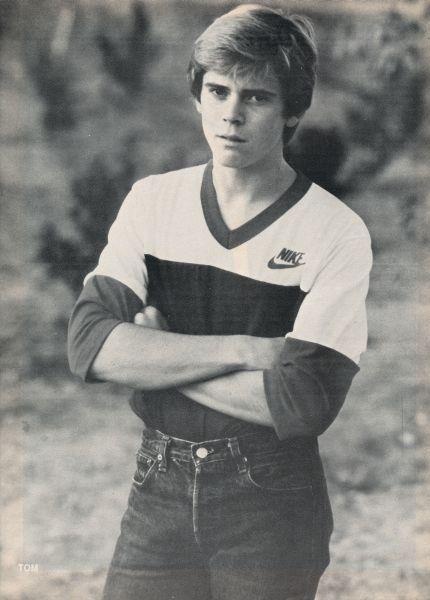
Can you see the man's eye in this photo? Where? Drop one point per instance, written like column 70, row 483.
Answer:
column 218, row 92
column 258, row 99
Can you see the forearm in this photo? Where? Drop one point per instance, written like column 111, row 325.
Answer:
column 240, row 395
column 300, row 396
column 146, row 358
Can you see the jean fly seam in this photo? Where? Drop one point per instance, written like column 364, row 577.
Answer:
column 195, row 507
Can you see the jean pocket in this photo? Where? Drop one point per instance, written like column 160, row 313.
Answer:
column 280, row 474
column 145, row 467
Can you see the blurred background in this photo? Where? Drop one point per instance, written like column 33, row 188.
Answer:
column 93, row 97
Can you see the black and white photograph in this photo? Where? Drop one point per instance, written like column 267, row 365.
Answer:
column 215, row 296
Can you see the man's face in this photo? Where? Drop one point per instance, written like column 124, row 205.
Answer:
column 242, row 119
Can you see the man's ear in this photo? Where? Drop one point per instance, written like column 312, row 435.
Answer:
column 198, row 106
column 292, row 121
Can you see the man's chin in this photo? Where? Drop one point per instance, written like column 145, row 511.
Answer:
column 232, row 161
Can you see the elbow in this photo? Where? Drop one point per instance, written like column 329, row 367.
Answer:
column 315, row 424
column 299, row 405
column 103, row 304
column 305, row 395
column 305, row 410
column 302, row 416
column 73, row 353
column 314, row 407
column 307, row 415
column 84, row 342
column 78, row 356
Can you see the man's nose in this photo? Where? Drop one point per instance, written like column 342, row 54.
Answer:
column 233, row 112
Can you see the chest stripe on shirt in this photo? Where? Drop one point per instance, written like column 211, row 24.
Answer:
column 204, row 300
column 232, row 238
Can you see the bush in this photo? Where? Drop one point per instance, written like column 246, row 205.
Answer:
column 53, row 77
column 125, row 58
column 319, row 153
column 7, row 16
column 379, row 66
column 97, row 197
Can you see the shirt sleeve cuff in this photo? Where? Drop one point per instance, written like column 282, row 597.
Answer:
column 307, row 388
column 103, row 304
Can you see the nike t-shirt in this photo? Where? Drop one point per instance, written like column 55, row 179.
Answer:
column 298, row 269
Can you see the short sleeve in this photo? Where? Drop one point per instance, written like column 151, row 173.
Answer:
column 333, row 313
column 307, row 388
column 116, row 289
column 123, row 258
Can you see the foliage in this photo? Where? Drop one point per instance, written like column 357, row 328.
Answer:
column 53, row 76
column 6, row 16
column 379, row 64
column 98, row 188
column 414, row 211
column 125, row 58
column 319, row 153
column 97, row 195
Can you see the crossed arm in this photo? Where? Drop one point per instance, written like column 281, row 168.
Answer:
column 240, row 393
column 294, row 385
column 224, row 373
column 297, row 384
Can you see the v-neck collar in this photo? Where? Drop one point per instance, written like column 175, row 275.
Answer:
column 231, row 238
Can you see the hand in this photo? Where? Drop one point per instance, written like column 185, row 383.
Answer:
column 152, row 318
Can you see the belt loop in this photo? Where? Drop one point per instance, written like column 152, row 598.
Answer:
column 162, row 454
column 241, row 461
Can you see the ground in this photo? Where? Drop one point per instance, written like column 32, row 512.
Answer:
column 67, row 449
column 67, row 452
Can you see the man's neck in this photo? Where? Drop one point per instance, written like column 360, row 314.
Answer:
column 248, row 186
column 243, row 193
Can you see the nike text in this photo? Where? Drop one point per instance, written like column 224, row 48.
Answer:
column 286, row 259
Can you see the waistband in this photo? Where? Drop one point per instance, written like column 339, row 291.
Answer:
column 237, row 448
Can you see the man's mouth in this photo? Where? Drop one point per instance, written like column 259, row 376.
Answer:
column 232, row 138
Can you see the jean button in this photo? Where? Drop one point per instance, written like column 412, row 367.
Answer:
column 201, row 452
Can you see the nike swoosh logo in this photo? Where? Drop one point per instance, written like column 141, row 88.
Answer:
column 274, row 265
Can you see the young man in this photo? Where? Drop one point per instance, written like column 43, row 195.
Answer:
column 231, row 296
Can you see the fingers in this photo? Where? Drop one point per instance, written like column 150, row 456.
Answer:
column 152, row 313
column 159, row 318
column 152, row 318
column 139, row 319
column 146, row 318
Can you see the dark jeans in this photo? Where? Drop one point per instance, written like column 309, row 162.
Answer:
column 243, row 518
